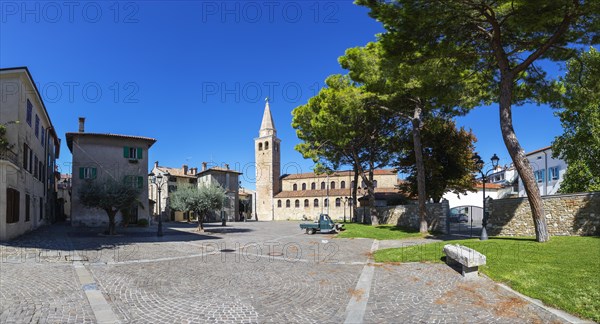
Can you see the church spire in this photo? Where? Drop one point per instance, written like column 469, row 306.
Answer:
column 267, row 127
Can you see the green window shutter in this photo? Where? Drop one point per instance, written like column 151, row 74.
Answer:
column 126, row 152
column 126, row 179
column 93, row 173
column 140, row 182
column 139, row 153
column 81, row 173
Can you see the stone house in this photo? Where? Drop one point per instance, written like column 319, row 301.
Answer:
column 27, row 169
column 228, row 179
column 177, row 178
column 63, row 188
column 104, row 155
column 303, row 195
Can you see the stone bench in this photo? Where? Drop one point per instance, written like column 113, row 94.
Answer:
column 467, row 257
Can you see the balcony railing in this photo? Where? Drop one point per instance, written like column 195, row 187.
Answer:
column 9, row 156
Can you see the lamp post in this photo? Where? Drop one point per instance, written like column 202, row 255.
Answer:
column 159, row 180
column 479, row 163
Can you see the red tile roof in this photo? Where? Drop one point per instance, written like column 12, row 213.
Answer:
column 346, row 173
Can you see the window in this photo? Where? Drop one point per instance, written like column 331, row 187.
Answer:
column 304, row 186
column 326, row 202
column 297, row 203
column 87, row 173
column 313, row 186
column 305, row 202
column 539, row 176
column 350, row 202
column 295, row 187
column 278, row 203
column 132, row 152
column 29, row 112
column 12, row 205
column 27, row 209
column 134, row 181
column 266, row 146
column 260, row 146
column 35, row 168
column 338, row 202
column 287, row 203
column 374, row 183
column 332, row 186
column 41, row 209
column 43, row 137
column 41, row 168
column 37, row 126
column 323, row 185
column 554, row 173
column 316, row 202
column 25, row 157
column 343, row 185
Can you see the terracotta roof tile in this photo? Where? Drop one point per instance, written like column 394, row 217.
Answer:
column 346, row 173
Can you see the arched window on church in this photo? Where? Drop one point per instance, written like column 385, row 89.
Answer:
column 316, row 203
column 297, row 203
column 338, row 202
column 305, row 202
column 266, row 146
column 343, row 185
column 374, row 183
column 295, row 187
column 278, row 203
column 332, row 185
column 313, row 186
column 260, row 146
column 304, row 186
column 326, row 202
column 287, row 203
column 323, row 185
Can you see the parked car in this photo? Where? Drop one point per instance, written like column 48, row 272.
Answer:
column 459, row 218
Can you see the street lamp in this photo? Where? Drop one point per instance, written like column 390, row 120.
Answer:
column 159, row 180
column 479, row 163
column 345, row 202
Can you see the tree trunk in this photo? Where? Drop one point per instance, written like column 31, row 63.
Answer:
column 520, row 160
column 354, row 189
column 372, row 209
column 111, row 222
column 416, row 124
column 200, row 222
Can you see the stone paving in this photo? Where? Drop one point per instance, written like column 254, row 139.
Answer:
column 255, row 272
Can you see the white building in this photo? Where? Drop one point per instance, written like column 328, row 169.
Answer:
column 27, row 169
column 548, row 171
column 492, row 190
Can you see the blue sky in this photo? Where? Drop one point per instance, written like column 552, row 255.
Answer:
column 194, row 75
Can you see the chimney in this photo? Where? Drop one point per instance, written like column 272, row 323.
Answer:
column 195, row 171
column 204, row 166
column 226, row 166
column 156, row 164
column 185, row 169
column 81, row 124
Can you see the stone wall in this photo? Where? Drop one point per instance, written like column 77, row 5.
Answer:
column 572, row 214
column 408, row 215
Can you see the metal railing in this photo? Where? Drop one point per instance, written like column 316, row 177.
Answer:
column 9, row 156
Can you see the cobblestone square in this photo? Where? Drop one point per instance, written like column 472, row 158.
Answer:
column 254, row 272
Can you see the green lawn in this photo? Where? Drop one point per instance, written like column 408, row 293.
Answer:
column 564, row 273
column 382, row 232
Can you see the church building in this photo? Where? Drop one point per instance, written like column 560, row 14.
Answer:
column 305, row 195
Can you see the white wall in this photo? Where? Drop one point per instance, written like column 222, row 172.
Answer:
column 543, row 161
column 475, row 198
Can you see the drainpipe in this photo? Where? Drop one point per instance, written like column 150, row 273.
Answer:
column 545, row 173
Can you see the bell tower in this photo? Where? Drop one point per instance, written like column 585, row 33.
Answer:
column 268, row 164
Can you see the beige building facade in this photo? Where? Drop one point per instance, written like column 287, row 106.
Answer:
column 27, row 168
column 176, row 178
column 304, row 195
column 98, row 156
